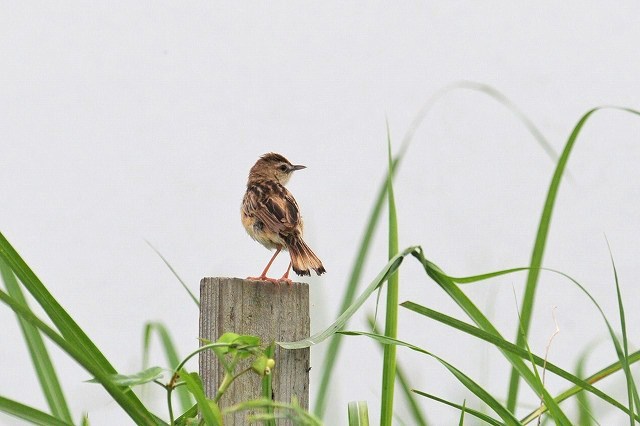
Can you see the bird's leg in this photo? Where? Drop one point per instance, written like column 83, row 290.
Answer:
column 263, row 275
column 285, row 277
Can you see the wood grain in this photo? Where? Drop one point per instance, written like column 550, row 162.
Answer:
column 273, row 312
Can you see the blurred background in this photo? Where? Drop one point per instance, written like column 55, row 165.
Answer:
column 126, row 121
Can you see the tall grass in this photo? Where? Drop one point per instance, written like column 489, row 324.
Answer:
column 524, row 364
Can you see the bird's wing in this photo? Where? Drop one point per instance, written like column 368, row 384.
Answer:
column 276, row 208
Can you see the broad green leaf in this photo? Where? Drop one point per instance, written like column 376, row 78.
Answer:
column 208, row 409
column 139, row 378
column 187, row 416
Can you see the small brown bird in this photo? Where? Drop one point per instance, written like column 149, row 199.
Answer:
column 272, row 217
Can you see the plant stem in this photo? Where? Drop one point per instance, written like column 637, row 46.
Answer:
column 226, row 382
column 170, row 405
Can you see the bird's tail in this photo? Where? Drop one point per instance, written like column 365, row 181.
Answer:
column 303, row 259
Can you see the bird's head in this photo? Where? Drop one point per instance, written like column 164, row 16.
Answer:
column 273, row 166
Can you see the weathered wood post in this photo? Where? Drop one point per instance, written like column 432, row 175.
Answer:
column 273, row 312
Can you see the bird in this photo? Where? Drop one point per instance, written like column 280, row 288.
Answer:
column 271, row 216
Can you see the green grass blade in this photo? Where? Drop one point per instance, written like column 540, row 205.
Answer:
column 391, row 315
column 122, row 396
column 173, row 271
column 485, row 418
column 170, row 353
column 208, row 409
column 506, row 415
column 478, row 317
column 632, row 391
column 618, row 347
column 384, row 274
column 30, row 414
column 508, row 346
column 419, row 418
column 358, row 413
column 574, row 390
column 539, row 246
column 350, row 293
column 45, row 371
column 584, row 406
column 72, row 333
column 363, row 249
column 621, row 352
column 464, row 409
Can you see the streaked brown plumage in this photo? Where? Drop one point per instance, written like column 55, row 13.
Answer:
column 272, row 217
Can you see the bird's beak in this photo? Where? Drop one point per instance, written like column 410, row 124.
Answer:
column 299, row 167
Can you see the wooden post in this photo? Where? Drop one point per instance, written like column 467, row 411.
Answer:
column 273, row 312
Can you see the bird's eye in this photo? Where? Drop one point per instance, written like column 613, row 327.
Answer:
column 283, row 168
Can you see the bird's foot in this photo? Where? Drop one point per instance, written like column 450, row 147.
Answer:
column 265, row 278
column 285, row 280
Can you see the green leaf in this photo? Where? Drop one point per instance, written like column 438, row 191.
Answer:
column 416, row 412
column 73, row 340
column 187, row 416
column 503, row 344
column 208, row 409
column 292, row 412
column 140, row 378
column 137, row 412
column 605, row 372
column 170, row 353
column 585, row 417
column 30, row 414
column 623, row 354
column 506, row 415
column 487, row 419
column 358, row 413
column 388, row 270
column 526, row 309
column 45, row 371
column 85, row 420
column 458, row 296
column 464, row 409
column 267, row 385
column 173, row 271
column 391, row 315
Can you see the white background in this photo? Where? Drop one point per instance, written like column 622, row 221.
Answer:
column 121, row 122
